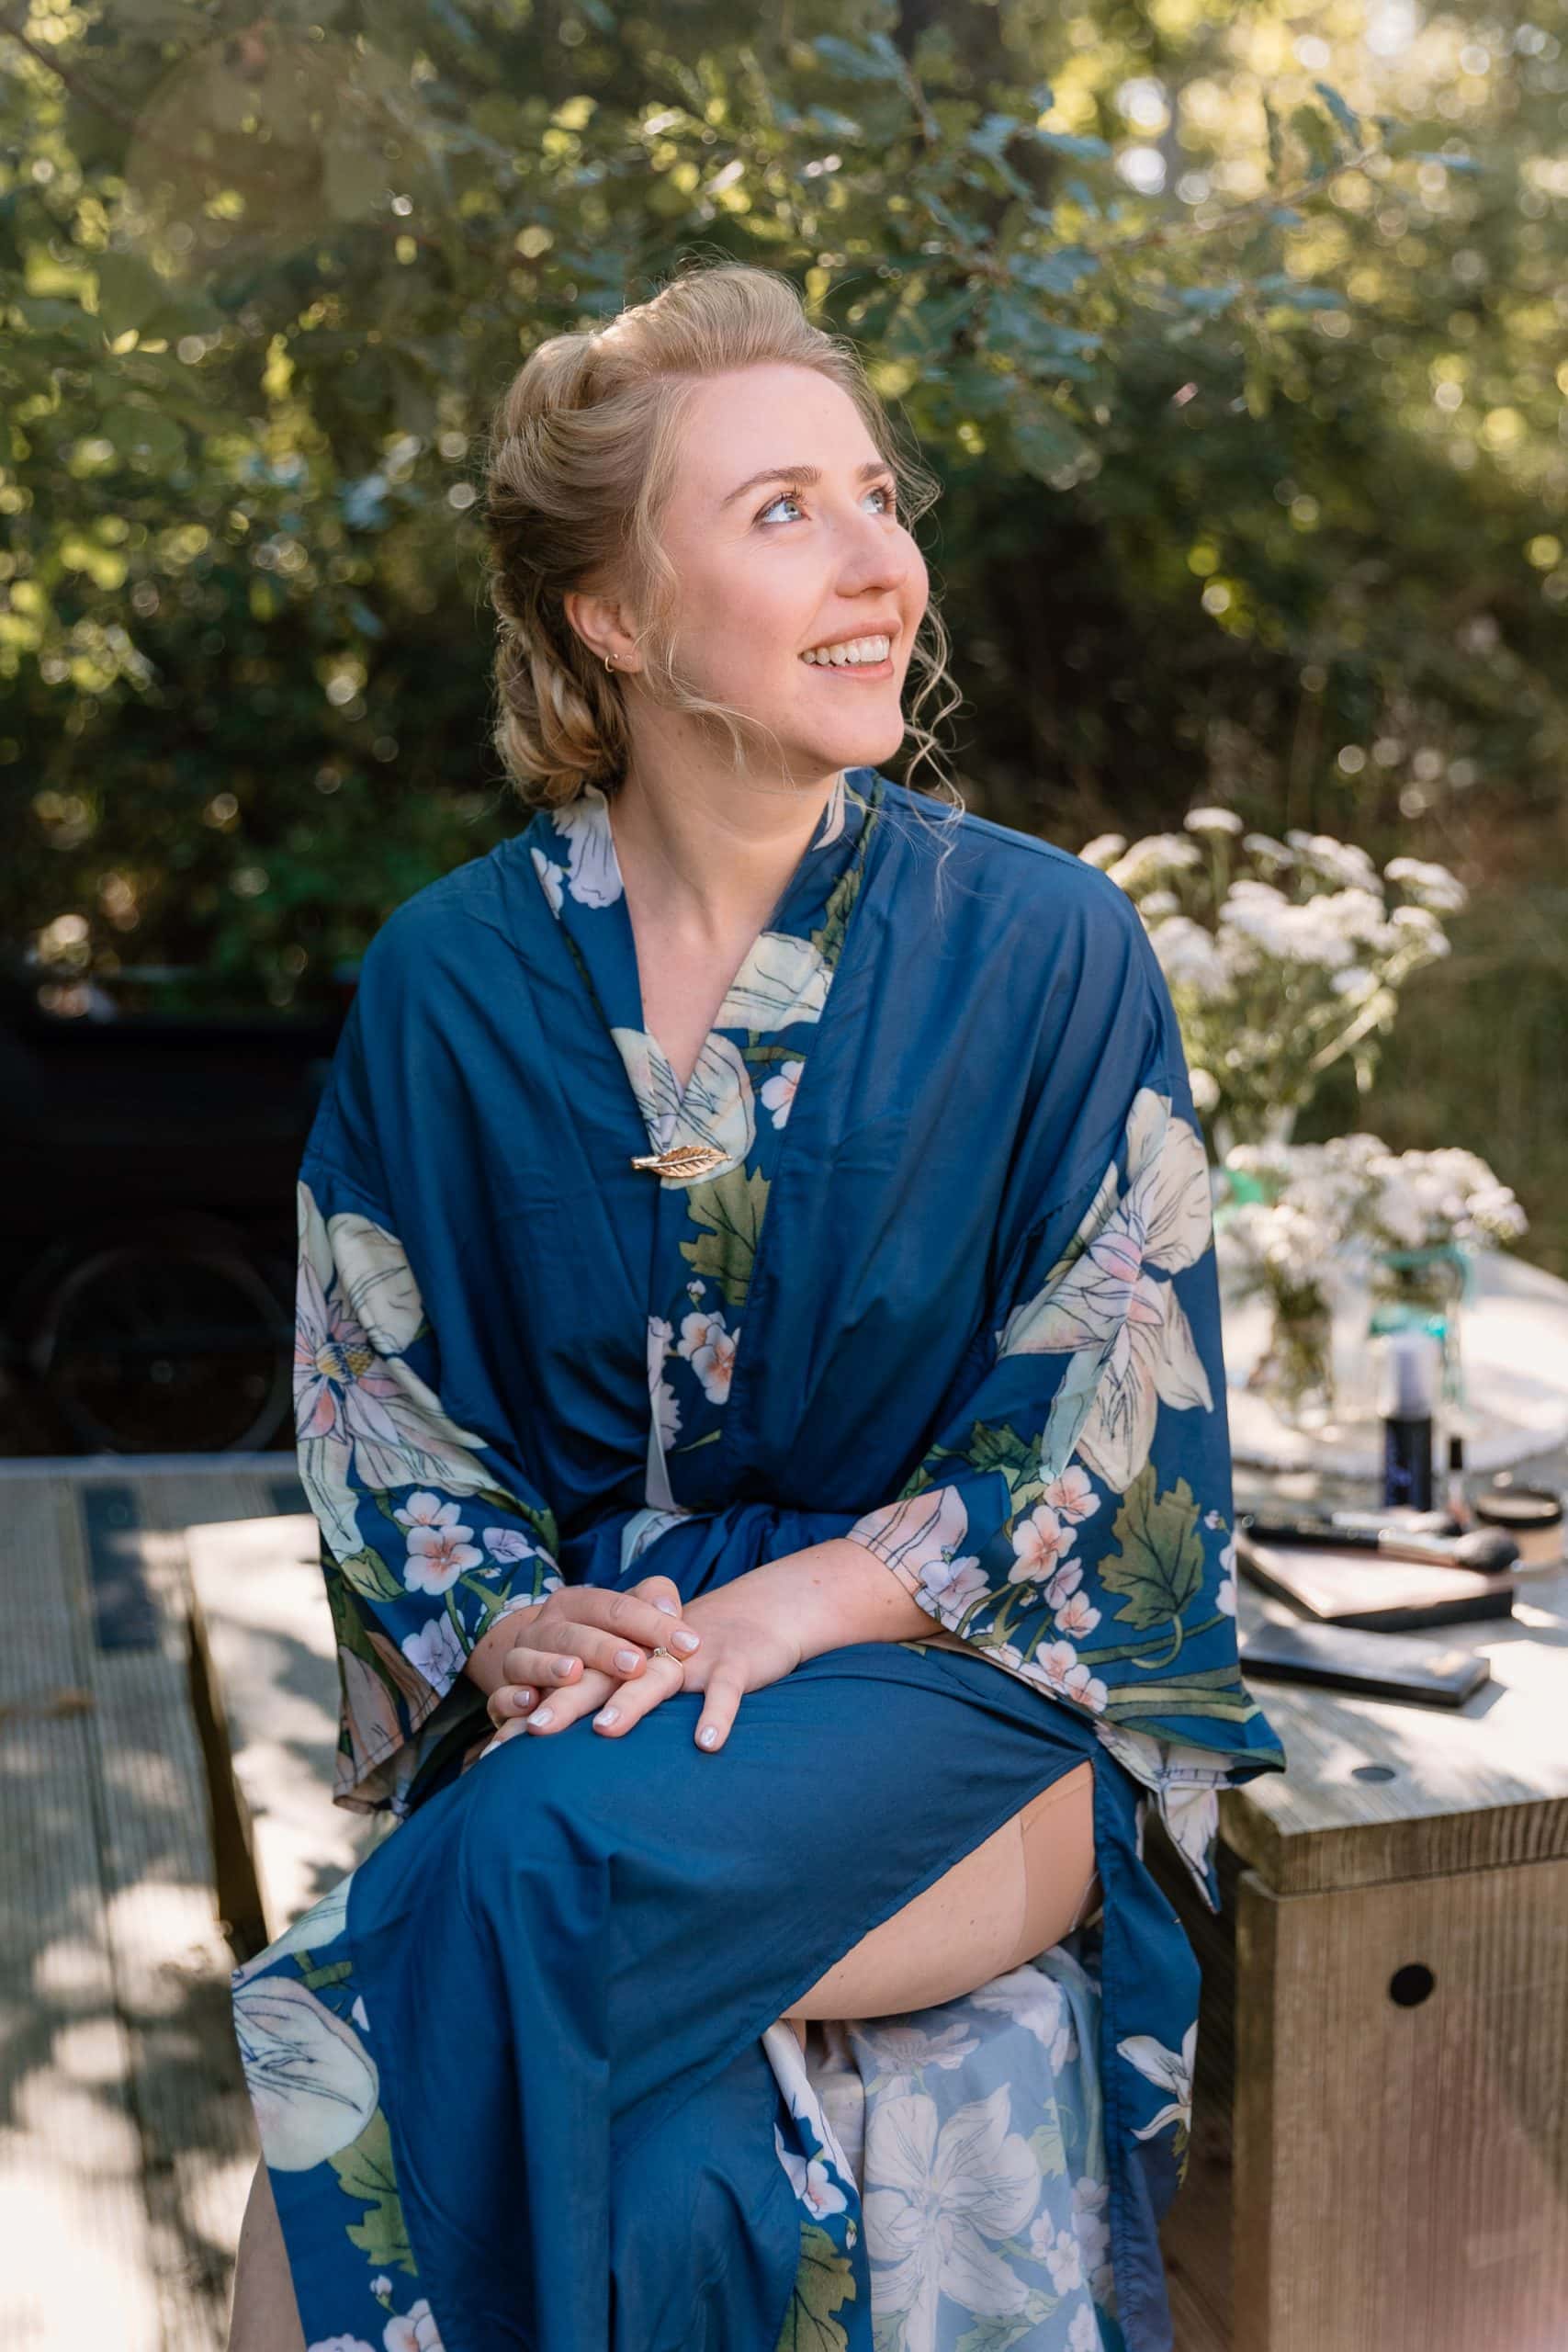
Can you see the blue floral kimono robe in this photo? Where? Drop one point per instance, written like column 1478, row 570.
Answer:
column 936, row 1275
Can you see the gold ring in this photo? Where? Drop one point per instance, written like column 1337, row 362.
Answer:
column 662, row 1652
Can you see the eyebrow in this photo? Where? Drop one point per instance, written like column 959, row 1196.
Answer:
column 799, row 473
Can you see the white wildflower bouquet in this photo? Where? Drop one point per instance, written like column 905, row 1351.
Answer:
column 1434, row 1200
column 1281, row 956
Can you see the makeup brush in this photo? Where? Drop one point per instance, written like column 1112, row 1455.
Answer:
column 1484, row 1549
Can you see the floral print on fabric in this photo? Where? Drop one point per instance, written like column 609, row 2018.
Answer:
column 1074, row 1524
column 421, row 1548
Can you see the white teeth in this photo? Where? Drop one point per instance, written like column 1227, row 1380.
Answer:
column 854, row 649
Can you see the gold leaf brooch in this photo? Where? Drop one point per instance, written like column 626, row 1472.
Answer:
column 682, row 1159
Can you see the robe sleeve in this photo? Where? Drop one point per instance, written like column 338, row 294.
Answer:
column 1072, row 1515
column 428, row 1534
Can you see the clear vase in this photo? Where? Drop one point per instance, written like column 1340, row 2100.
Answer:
column 1424, row 1290
column 1295, row 1370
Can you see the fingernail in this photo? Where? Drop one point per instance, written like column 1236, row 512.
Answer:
column 541, row 1715
column 608, row 1716
column 708, row 1735
column 669, row 1607
column 563, row 1667
column 625, row 1660
column 686, row 1639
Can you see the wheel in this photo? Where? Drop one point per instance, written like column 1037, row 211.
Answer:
column 167, row 1340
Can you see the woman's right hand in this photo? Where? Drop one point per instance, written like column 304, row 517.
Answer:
column 586, row 1639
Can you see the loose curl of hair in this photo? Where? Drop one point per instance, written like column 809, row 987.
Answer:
column 581, row 460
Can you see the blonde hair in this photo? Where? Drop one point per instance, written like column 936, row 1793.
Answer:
column 581, row 460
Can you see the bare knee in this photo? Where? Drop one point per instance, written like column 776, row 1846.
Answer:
column 266, row 2317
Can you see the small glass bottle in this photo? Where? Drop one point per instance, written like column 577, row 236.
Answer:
column 1410, row 1372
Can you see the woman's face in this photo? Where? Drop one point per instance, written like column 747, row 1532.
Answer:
column 772, row 565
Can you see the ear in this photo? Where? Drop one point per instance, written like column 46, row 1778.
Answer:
column 603, row 625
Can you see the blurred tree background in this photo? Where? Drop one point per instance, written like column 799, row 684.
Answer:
column 1236, row 337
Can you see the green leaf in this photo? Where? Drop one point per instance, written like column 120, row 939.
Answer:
column 366, row 2172
column 732, row 1207
column 880, row 63
column 368, row 1572
column 129, row 292
column 1049, row 2149
column 1160, row 1563
column 1345, row 115
column 824, row 2282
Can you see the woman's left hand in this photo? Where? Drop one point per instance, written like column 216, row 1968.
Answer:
column 748, row 1642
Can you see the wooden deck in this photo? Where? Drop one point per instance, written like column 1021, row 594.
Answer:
column 126, row 2143
column 126, row 2138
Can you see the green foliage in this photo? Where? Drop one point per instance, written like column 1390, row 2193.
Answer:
column 1159, row 1564
column 366, row 2171
column 730, row 1209
column 1253, row 481
column 824, row 2282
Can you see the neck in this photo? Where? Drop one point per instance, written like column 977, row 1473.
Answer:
column 710, row 855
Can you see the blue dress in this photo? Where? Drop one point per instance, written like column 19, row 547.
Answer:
column 924, row 1259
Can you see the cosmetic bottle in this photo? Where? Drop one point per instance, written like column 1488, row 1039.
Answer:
column 1454, row 1497
column 1409, row 1387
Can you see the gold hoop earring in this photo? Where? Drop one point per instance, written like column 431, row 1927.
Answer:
column 609, row 664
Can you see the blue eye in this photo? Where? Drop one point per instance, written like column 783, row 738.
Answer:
column 883, row 490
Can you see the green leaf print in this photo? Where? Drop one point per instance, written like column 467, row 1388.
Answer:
column 366, row 2173
column 368, row 1572
column 1161, row 1565
column 731, row 1208
column 823, row 2280
column 999, row 2335
column 1049, row 2149
column 828, row 937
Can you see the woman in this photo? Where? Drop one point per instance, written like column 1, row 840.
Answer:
column 759, row 1358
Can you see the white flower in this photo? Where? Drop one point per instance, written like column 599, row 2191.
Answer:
column 1075, row 1617
column 361, row 1412
column 438, row 1547
column 1149, row 860
column 339, row 2344
column 1083, row 2330
column 932, row 2197
column 1343, row 862
column 1101, row 1303
column 1212, row 821
column 312, row 2084
column 908, row 2048
column 1224, row 1598
column 665, row 1406
column 1103, row 849
column 594, row 874
column 811, row 2180
column 1087, row 1689
column 380, row 2286
column 552, row 876
column 415, row 2332
column 952, row 1584
column 1427, row 884
column 715, row 1107
column 1059, row 2251
column 1188, row 956
column 505, row 1543
column 1205, row 1089
column 778, row 1092
column 709, row 1348
column 1059, row 1668
column 1037, row 2004
column 1171, row 2069
column 435, row 1651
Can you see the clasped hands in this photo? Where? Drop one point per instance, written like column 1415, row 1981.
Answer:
column 586, row 1651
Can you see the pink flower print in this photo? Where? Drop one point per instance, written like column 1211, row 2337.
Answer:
column 1072, row 1496
column 1039, row 1542
column 438, row 1547
column 1066, row 1580
column 1087, row 1689
column 415, row 2331
column 709, row 1348
column 1054, row 1663
column 778, row 1092
column 1076, row 1618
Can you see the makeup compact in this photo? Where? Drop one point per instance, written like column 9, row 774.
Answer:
column 1531, row 1515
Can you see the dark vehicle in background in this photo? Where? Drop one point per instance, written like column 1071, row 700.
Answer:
column 147, row 1239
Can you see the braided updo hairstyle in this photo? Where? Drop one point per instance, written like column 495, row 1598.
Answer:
column 581, row 455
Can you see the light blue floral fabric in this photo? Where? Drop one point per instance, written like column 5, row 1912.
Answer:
column 921, row 1256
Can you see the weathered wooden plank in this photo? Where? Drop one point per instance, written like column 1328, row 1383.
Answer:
column 79, row 2265
column 170, row 1963
column 1402, row 2121
column 263, row 1629
column 1378, row 1789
